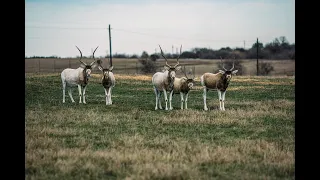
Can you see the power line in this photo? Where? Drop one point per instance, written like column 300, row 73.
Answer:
column 55, row 27
column 132, row 32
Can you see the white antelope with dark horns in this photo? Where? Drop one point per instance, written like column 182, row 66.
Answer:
column 182, row 86
column 108, row 81
column 219, row 82
column 164, row 81
column 77, row 77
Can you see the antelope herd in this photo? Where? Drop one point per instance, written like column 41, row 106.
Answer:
column 163, row 82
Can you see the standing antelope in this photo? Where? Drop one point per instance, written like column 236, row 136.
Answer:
column 218, row 81
column 183, row 86
column 164, row 81
column 77, row 77
column 108, row 81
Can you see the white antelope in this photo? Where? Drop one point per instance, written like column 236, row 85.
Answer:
column 182, row 86
column 108, row 81
column 219, row 82
column 164, row 81
column 77, row 77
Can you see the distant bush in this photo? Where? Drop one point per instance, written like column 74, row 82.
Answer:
column 265, row 68
column 148, row 66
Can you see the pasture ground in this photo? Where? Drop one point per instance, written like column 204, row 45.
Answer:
column 253, row 139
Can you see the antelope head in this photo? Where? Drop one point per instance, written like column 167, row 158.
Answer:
column 87, row 68
column 171, row 69
column 228, row 73
column 105, row 71
column 190, row 81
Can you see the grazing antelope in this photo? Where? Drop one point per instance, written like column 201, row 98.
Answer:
column 182, row 86
column 164, row 81
column 77, row 77
column 218, row 81
column 108, row 81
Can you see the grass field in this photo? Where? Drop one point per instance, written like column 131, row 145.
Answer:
column 253, row 139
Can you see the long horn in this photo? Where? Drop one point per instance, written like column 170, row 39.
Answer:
column 178, row 57
column 232, row 65
column 93, row 56
column 222, row 64
column 184, row 71
column 164, row 57
column 80, row 56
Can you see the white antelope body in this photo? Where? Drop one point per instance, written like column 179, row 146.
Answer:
column 164, row 81
column 108, row 81
column 219, row 82
column 182, row 86
column 77, row 77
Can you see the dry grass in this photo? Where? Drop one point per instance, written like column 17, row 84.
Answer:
column 252, row 139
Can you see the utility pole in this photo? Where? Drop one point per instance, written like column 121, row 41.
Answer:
column 110, row 45
column 257, row 57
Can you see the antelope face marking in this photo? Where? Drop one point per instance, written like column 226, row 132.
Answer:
column 88, row 72
column 228, row 75
column 106, row 73
column 190, row 83
column 172, row 73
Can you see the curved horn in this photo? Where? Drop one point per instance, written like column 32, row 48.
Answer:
column 93, row 56
column 184, row 71
column 80, row 56
column 94, row 52
column 164, row 57
column 178, row 57
column 232, row 66
column 222, row 64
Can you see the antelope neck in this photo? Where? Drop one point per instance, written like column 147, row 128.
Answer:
column 85, row 78
column 170, row 80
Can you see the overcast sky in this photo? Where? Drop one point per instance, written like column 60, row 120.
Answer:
column 55, row 27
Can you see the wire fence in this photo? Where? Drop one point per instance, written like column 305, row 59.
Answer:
column 133, row 66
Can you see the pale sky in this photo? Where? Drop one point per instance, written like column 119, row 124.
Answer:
column 55, row 27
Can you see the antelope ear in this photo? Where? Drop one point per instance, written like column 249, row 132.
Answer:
column 178, row 68
column 110, row 68
column 234, row 72
column 221, row 71
column 184, row 79
column 100, row 68
column 166, row 67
